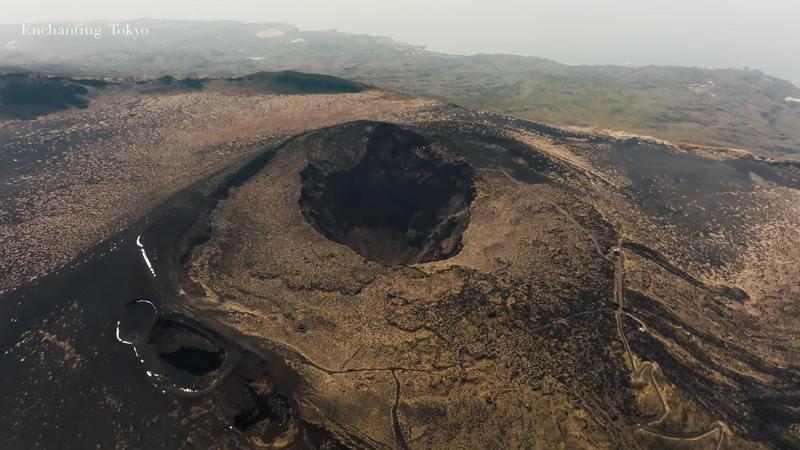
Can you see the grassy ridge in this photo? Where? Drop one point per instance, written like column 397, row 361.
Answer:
column 725, row 107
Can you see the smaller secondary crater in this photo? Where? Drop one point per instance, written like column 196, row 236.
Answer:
column 389, row 194
column 186, row 349
column 261, row 404
column 262, row 409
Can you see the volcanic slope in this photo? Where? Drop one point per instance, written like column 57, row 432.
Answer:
column 71, row 178
column 432, row 276
column 464, row 279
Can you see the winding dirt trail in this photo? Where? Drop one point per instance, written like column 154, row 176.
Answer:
column 644, row 371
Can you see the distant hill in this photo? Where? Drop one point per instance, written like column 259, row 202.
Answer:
column 24, row 95
column 27, row 95
column 723, row 107
column 292, row 82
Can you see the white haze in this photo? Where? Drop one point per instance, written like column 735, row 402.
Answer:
column 706, row 33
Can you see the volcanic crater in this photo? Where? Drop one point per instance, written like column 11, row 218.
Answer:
column 395, row 198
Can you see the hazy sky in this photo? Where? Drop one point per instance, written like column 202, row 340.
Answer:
column 732, row 33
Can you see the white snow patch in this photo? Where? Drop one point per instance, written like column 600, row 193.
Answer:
column 128, row 342
column 144, row 255
column 144, row 300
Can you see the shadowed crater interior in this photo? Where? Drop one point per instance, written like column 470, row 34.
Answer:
column 196, row 361
column 186, row 349
column 389, row 194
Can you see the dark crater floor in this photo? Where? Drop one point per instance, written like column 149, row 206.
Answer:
column 185, row 349
column 389, row 194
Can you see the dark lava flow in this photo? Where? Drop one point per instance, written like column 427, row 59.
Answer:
column 391, row 199
column 104, row 352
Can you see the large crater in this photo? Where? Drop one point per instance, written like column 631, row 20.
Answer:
column 389, row 194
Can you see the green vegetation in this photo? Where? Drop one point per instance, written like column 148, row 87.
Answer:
column 729, row 108
column 721, row 107
column 291, row 82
